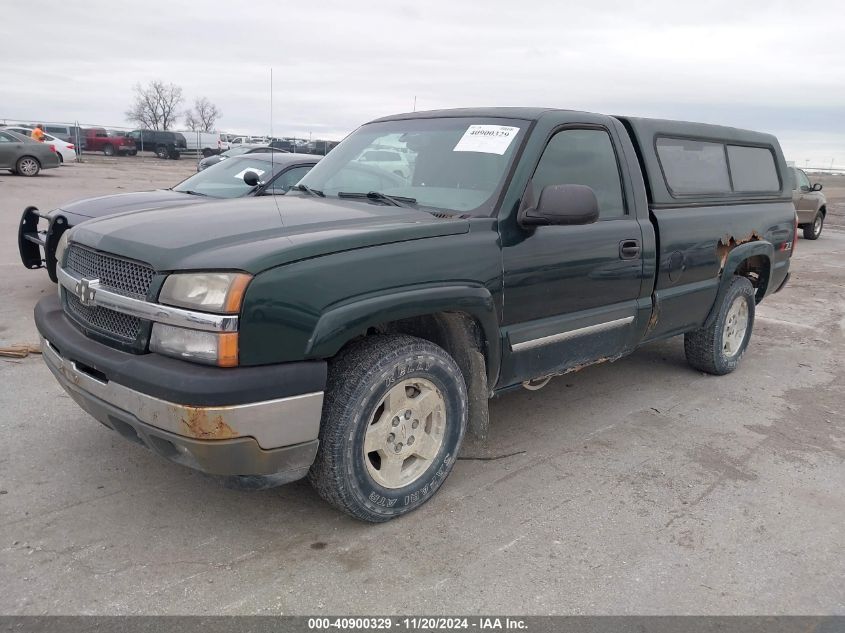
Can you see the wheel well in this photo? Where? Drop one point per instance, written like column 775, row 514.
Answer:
column 452, row 331
column 757, row 269
column 462, row 336
column 823, row 210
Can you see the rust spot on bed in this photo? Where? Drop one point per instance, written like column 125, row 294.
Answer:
column 199, row 424
column 728, row 242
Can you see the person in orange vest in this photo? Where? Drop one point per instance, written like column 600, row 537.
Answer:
column 38, row 133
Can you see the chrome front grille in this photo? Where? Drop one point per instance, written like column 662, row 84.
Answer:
column 122, row 275
column 119, row 275
column 117, row 324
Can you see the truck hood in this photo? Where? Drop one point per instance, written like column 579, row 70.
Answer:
column 122, row 202
column 254, row 234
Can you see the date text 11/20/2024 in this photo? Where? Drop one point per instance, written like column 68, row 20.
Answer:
column 417, row 623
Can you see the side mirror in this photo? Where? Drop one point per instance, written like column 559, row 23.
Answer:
column 817, row 187
column 562, row 205
column 252, row 179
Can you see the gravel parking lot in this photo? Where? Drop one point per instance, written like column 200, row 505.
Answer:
column 637, row 487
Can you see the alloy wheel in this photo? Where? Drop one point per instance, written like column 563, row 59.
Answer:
column 405, row 433
column 736, row 324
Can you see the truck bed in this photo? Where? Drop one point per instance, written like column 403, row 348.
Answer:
column 697, row 232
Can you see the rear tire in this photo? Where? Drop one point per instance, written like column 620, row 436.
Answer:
column 133, row 152
column 207, row 152
column 27, row 166
column 813, row 231
column 108, row 150
column 161, row 151
column 393, row 421
column 61, row 159
column 718, row 348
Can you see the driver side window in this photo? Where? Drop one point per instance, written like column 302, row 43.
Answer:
column 288, row 179
column 802, row 183
column 583, row 157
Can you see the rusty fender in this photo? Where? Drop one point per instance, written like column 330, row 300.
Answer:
column 728, row 242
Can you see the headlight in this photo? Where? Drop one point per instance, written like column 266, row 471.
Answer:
column 61, row 247
column 212, row 292
column 210, row 348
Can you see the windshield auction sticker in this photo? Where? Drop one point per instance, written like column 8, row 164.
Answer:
column 488, row 139
column 240, row 174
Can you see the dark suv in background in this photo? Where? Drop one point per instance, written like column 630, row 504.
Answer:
column 164, row 144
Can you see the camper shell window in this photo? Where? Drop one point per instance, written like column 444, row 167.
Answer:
column 697, row 167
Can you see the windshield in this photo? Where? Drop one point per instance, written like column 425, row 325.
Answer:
column 226, row 178
column 235, row 151
column 20, row 138
column 456, row 164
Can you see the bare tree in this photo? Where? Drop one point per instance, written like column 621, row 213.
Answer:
column 156, row 106
column 203, row 116
column 191, row 122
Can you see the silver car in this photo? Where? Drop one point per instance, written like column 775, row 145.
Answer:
column 24, row 156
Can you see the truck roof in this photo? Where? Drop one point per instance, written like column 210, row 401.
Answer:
column 644, row 127
column 528, row 114
column 643, row 124
column 646, row 134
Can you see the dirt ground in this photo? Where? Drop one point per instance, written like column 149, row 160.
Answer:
column 637, row 487
column 834, row 191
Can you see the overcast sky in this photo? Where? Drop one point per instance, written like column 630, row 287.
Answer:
column 764, row 64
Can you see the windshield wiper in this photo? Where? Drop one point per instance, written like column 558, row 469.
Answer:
column 309, row 190
column 396, row 201
column 194, row 193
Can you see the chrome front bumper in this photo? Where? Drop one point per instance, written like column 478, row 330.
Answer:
column 261, row 438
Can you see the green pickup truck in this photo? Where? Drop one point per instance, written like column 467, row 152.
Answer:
column 353, row 330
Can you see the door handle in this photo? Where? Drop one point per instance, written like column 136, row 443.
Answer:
column 629, row 249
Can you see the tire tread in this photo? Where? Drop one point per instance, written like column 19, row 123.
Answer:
column 809, row 234
column 702, row 347
column 346, row 374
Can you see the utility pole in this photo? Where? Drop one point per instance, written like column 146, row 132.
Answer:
column 271, row 103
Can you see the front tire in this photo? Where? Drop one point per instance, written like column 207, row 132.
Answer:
column 813, row 231
column 393, row 421
column 161, row 151
column 27, row 166
column 718, row 348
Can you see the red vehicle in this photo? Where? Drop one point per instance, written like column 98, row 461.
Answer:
column 98, row 139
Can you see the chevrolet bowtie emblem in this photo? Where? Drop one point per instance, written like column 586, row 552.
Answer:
column 86, row 289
